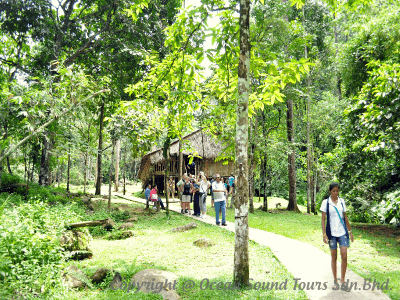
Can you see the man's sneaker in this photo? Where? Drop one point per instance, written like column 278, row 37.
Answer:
column 224, row 224
column 186, row 211
column 182, row 212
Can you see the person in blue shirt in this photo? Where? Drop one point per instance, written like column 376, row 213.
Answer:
column 147, row 194
column 191, row 168
column 231, row 179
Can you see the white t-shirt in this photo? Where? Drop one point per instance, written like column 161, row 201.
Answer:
column 218, row 196
column 337, row 228
column 204, row 186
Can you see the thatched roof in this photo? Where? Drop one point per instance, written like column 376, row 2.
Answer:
column 205, row 146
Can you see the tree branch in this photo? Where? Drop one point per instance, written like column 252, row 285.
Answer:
column 18, row 66
column 36, row 131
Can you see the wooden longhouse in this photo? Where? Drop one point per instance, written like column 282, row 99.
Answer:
column 153, row 164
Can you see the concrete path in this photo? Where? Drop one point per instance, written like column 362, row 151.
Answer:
column 304, row 261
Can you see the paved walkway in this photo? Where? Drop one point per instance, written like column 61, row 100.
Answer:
column 302, row 260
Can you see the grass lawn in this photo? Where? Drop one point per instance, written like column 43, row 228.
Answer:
column 156, row 246
column 374, row 254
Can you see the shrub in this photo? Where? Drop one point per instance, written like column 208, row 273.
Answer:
column 12, row 184
column 30, row 254
column 389, row 208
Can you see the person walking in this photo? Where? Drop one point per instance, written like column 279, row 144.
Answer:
column 171, row 187
column 204, row 185
column 186, row 196
column 211, row 191
column 196, row 198
column 147, row 195
column 180, row 185
column 219, row 199
column 232, row 192
column 336, row 229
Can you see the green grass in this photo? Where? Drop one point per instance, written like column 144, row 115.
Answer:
column 374, row 254
column 156, row 246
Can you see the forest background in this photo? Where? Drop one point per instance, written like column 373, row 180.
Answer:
column 84, row 80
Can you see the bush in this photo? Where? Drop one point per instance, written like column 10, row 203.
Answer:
column 12, row 184
column 389, row 208
column 30, row 254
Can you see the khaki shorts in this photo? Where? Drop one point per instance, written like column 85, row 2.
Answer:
column 186, row 198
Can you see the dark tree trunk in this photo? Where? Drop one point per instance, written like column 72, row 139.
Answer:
column 292, row 205
column 110, row 175
column 9, row 165
column 85, row 172
column 25, row 167
column 124, row 169
column 100, row 152
column 251, row 169
column 313, row 206
column 117, row 159
column 338, row 78
column 166, row 155
column 180, row 159
column 45, row 161
column 68, row 169
column 263, row 182
column 251, row 179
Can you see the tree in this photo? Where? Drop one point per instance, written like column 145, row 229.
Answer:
column 241, row 259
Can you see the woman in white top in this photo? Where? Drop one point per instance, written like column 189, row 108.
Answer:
column 219, row 191
column 204, row 185
column 337, row 230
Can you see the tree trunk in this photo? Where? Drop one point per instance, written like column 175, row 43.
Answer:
column 308, row 135
column 96, row 172
column 25, row 167
column 45, row 160
column 251, row 179
column 9, row 165
column 5, row 138
column 339, row 79
column 292, row 205
column 259, row 187
column 85, row 172
column 263, row 182
column 117, row 159
column 110, row 175
column 251, row 169
column 124, row 169
column 241, row 258
column 87, row 224
column 166, row 172
column 61, row 172
column 166, row 154
column 314, row 202
column 100, row 151
column 180, row 158
column 68, row 169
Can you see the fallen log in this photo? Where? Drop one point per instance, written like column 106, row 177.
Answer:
column 87, row 224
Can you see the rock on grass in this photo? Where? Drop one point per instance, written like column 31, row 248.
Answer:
column 120, row 235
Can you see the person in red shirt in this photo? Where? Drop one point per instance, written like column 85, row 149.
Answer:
column 154, row 197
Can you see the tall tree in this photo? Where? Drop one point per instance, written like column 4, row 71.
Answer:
column 241, row 259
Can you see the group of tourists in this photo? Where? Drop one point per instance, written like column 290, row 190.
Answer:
column 194, row 189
